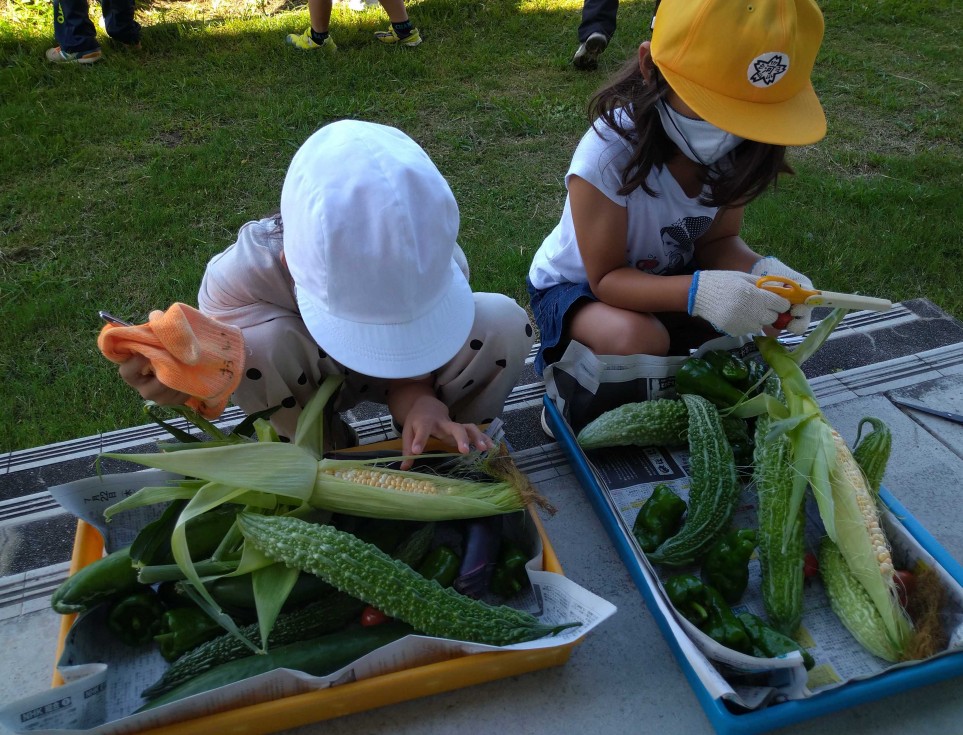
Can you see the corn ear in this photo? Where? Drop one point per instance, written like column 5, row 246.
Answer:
column 862, row 542
column 355, row 487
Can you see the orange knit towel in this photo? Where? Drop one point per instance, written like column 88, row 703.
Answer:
column 188, row 351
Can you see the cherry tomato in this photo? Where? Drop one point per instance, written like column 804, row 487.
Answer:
column 373, row 616
column 810, row 565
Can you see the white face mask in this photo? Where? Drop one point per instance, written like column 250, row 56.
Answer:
column 699, row 141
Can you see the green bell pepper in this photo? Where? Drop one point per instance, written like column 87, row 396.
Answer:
column 687, row 594
column 698, row 376
column 659, row 518
column 769, row 643
column 441, row 565
column 723, row 626
column 704, row 607
column 731, row 367
column 509, row 575
column 136, row 618
column 183, row 629
column 726, row 563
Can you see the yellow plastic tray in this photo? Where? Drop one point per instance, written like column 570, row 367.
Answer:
column 302, row 709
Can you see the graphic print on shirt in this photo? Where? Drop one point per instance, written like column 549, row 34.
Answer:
column 678, row 245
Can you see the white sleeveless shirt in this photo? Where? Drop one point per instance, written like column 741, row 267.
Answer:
column 662, row 230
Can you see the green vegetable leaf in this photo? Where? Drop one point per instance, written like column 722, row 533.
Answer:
column 272, row 585
column 207, row 498
column 309, row 433
column 271, row 467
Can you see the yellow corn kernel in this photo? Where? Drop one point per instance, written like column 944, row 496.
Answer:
column 384, row 479
column 854, row 478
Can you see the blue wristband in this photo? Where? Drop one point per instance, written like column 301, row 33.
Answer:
column 692, row 292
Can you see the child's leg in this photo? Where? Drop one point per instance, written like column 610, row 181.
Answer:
column 477, row 381
column 608, row 330
column 395, row 10
column 402, row 31
column 73, row 28
column 320, row 13
column 316, row 36
column 119, row 21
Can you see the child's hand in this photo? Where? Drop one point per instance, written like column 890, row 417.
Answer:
column 732, row 303
column 800, row 313
column 428, row 417
column 137, row 373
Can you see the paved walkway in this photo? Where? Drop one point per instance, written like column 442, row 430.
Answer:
column 622, row 678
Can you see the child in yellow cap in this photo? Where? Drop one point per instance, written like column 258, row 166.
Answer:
column 648, row 257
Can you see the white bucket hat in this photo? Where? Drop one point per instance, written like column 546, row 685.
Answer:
column 370, row 228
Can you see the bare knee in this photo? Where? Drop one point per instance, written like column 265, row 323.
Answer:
column 611, row 331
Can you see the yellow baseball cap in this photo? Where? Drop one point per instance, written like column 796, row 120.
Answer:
column 744, row 65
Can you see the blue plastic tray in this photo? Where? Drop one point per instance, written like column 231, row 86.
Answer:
column 723, row 719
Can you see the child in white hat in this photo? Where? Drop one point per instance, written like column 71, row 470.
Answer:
column 361, row 275
column 648, row 253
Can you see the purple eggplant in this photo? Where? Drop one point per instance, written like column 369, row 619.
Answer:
column 482, row 539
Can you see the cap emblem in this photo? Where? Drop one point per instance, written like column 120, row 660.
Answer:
column 767, row 69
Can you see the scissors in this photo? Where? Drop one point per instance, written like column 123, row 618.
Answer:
column 111, row 319
column 797, row 294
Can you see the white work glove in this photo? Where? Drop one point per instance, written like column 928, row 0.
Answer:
column 732, row 303
column 800, row 313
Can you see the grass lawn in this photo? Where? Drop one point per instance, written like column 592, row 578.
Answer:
column 120, row 180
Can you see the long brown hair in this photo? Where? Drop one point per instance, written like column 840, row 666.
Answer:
column 627, row 106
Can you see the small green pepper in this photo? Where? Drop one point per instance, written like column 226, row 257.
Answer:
column 769, row 643
column 136, row 618
column 687, row 594
column 184, row 629
column 723, row 626
column 509, row 575
column 726, row 563
column 441, row 565
column 697, row 376
column 729, row 366
column 659, row 518
column 704, row 607
column 111, row 577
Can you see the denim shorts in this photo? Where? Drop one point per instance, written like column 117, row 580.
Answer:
column 552, row 305
column 549, row 308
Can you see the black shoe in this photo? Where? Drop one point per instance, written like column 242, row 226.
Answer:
column 587, row 56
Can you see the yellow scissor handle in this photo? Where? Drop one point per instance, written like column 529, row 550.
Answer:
column 787, row 288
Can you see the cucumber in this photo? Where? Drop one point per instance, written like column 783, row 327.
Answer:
column 327, row 615
column 317, row 657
